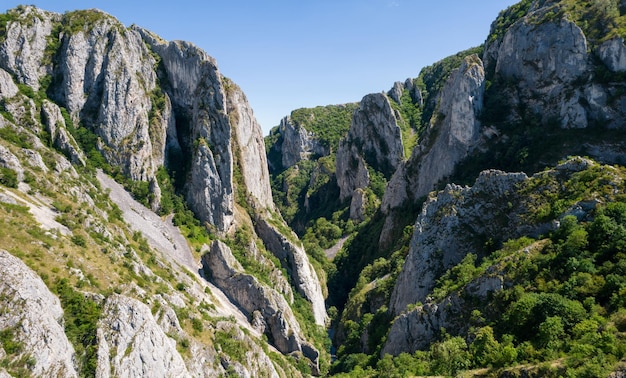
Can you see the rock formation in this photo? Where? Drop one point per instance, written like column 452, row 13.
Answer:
column 453, row 133
column 131, row 342
column 34, row 317
column 276, row 318
column 296, row 143
column 374, row 140
column 294, row 259
column 90, row 86
column 439, row 242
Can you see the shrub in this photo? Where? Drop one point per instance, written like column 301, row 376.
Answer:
column 8, row 177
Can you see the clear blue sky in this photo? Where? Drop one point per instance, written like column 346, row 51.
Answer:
column 288, row 54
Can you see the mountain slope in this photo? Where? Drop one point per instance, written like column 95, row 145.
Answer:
column 159, row 118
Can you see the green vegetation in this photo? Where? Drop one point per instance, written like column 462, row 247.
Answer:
column 81, row 316
column 600, row 20
column 508, row 17
column 9, row 134
column 432, row 79
column 81, row 20
column 561, row 309
column 410, row 121
column 6, row 18
column 328, row 123
column 8, row 177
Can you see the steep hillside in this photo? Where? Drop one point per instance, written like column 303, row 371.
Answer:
column 140, row 289
column 470, row 221
column 547, row 84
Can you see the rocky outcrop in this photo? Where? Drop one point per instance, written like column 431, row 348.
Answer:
column 395, row 93
column 131, row 343
column 10, row 161
column 8, row 88
column 56, row 128
column 453, row 133
column 296, row 143
column 250, row 146
column 293, row 258
column 374, row 139
column 418, row 328
column 202, row 132
column 106, row 76
column 450, row 226
column 613, row 54
column 23, row 49
column 523, row 58
column 274, row 318
column 34, row 317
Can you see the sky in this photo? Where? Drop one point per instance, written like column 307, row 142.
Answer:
column 290, row 54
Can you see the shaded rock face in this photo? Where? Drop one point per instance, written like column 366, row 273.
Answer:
column 201, row 140
column 452, row 135
column 447, row 230
column 613, row 54
column 34, row 316
column 417, row 329
column 296, row 143
column 130, row 342
column 545, row 59
column 274, row 316
column 374, row 138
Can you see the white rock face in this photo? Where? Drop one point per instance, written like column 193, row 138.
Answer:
column 22, row 51
column 251, row 147
column 107, row 76
column 132, row 344
column 36, row 317
column 8, row 88
column 452, row 136
column 374, row 138
column 10, row 161
column 61, row 138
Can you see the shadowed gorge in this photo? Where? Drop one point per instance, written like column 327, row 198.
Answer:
column 469, row 221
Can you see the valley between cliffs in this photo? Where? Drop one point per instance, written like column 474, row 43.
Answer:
column 469, row 221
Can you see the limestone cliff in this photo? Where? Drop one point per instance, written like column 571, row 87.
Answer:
column 33, row 316
column 374, row 139
column 83, row 85
column 452, row 134
column 447, row 228
column 296, row 143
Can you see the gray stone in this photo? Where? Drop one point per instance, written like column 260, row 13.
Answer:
column 613, row 54
column 36, row 317
column 8, row 88
column 10, row 161
column 374, row 138
column 252, row 296
column 452, row 135
column 131, row 342
column 294, row 258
